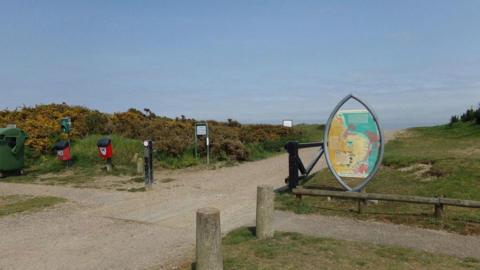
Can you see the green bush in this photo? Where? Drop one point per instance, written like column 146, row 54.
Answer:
column 173, row 137
column 470, row 115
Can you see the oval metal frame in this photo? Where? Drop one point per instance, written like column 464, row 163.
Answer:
column 381, row 150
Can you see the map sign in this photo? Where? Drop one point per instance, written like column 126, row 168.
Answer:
column 353, row 143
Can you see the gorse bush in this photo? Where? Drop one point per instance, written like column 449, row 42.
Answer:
column 470, row 115
column 173, row 138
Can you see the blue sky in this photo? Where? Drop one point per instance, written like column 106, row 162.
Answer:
column 415, row 62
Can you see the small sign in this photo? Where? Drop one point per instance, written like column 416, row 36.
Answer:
column 201, row 130
column 66, row 124
column 287, row 123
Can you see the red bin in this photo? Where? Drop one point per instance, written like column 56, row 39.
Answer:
column 63, row 150
column 105, row 148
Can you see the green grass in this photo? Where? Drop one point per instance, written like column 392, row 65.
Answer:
column 241, row 250
column 85, row 156
column 87, row 167
column 186, row 159
column 14, row 204
column 307, row 133
column 449, row 160
column 310, row 132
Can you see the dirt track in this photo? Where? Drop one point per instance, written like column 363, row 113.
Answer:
column 100, row 229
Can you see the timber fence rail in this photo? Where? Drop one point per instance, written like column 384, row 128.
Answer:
column 438, row 202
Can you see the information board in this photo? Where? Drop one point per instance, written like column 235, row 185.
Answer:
column 353, row 143
column 201, row 130
column 287, row 123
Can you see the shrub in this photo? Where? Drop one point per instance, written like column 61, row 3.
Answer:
column 477, row 115
column 468, row 116
column 172, row 137
column 454, row 119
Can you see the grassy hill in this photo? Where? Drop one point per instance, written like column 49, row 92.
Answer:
column 429, row 161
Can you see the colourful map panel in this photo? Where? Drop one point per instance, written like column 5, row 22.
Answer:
column 353, row 143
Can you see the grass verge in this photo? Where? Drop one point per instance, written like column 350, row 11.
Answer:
column 14, row 204
column 295, row 251
column 433, row 161
column 88, row 170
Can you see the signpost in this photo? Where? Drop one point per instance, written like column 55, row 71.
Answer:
column 66, row 127
column 201, row 131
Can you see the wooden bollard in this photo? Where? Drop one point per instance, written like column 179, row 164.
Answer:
column 140, row 166
column 265, row 210
column 209, row 240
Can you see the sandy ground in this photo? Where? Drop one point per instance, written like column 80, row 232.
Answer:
column 101, row 229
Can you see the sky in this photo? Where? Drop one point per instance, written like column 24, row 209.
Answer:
column 415, row 62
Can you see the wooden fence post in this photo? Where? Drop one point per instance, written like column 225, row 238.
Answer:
column 265, row 211
column 362, row 203
column 439, row 209
column 209, row 240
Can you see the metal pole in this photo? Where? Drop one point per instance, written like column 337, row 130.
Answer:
column 208, row 150
column 70, row 146
column 208, row 144
column 196, row 141
column 148, row 163
column 292, row 148
column 109, row 165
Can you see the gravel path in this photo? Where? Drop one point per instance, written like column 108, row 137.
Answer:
column 380, row 233
column 100, row 229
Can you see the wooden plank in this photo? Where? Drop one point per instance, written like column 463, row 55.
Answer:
column 388, row 197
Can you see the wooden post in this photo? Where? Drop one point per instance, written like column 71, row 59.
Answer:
column 209, row 240
column 265, row 211
column 439, row 211
column 362, row 203
column 140, row 166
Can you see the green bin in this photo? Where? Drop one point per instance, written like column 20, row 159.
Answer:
column 12, row 149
